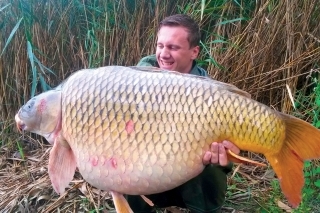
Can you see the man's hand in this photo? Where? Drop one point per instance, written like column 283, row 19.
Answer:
column 217, row 153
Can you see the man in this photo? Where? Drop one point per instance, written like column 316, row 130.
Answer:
column 177, row 48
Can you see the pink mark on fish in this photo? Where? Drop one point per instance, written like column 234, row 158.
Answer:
column 129, row 126
column 42, row 105
column 94, row 160
column 113, row 162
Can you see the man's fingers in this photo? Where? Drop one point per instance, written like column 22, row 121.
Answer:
column 223, row 159
column 218, row 154
column 206, row 158
column 214, row 152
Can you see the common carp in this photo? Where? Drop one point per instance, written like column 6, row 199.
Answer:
column 140, row 131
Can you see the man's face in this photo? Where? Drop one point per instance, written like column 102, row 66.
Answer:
column 173, row 49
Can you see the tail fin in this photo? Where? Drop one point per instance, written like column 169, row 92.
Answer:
column 302, row 142
column 289, row 170
column 302, row 138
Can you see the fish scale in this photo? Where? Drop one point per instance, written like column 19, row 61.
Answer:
column 142, row 130
column 124, row 98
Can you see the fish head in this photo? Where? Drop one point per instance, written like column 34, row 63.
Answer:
column 41, row 115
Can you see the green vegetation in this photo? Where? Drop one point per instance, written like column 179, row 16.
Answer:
column 311, row 190
column 263, row 47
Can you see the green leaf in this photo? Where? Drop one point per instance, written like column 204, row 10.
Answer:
column 43, row 83
column 203, row 3
column 42, row 67
column 238, row 4
column 317, row 183
column 307, row 164
column 20, row 150
column 218, row 41
column 307, row 174
column 231, row 21
column 2, row 8
column 11, row 35
column 210, row 59
column 317, row 170
column 307, row 182
column 34, row 69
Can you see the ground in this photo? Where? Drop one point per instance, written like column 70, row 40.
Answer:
column 26, row 187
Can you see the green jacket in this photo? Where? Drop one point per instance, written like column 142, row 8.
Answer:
column 204, row 193
column 151, row 60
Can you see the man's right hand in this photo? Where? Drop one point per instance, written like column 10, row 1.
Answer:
column 218, row 154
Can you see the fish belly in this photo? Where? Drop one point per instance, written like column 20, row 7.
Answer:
column 136, row 172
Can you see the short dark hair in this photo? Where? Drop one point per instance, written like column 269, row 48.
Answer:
column 186, row 22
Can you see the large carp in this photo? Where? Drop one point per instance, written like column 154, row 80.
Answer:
column 141, row 131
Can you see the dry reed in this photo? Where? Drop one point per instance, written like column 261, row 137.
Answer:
column 278, row 45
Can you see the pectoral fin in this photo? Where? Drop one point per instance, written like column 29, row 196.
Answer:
column 238, row 159
column 120, row 203
column 62, row 165
column 147, row 200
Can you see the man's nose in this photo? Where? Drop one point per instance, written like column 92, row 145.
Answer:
column 165, row 53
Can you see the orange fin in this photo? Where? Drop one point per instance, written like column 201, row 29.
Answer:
column 238, row 159
column 62, row 166
column 147, row 200
column 302, row 137
column 302, row 142
column 289, row 170
column 120, row 203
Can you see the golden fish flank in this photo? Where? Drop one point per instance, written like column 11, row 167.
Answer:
column 125, row 128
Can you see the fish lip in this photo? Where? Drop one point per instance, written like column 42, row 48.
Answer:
column 19, row 123
column 21, row 126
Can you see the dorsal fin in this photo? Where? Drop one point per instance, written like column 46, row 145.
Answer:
column 219, row 84
column 231, row 88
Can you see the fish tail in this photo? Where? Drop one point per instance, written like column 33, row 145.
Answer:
column 302, row 142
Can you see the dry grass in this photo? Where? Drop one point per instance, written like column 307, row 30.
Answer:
column 278, row 45
column 26, row 187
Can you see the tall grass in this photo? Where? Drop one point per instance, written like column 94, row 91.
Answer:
column 260, row 46
column 278, row 43
column 42, row 42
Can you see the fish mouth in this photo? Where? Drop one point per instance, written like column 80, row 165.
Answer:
column 19, row 123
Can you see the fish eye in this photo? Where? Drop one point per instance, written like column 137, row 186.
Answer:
column 30, row 104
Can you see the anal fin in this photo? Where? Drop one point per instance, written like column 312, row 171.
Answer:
column 147, row 200
column 238, row 159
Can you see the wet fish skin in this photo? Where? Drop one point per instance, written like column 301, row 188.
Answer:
column 41, row 115
column 143, row 131
column 175, row 114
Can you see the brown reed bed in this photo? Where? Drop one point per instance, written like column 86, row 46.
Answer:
column 260, row 47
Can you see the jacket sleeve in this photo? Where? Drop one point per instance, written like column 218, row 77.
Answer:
column 148, row 61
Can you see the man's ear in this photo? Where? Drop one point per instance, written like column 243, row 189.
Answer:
column 195, row 52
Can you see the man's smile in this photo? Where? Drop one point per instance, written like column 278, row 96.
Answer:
column 166, row 64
